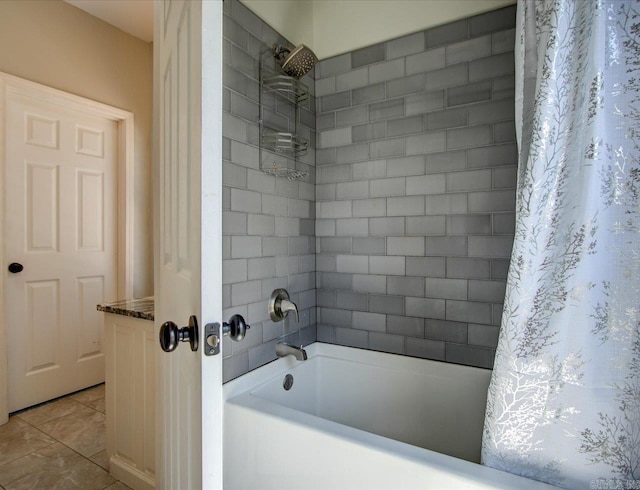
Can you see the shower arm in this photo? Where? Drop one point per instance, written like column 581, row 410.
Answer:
column 280, row 52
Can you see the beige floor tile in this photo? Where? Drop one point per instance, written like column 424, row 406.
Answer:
column 50, row 411
column 58, row 468
column 11, row 428
column 21, row 439
column 101, row 459
column 32, row 459
column 118, row 486
column 90, row 394
column 83, row 431
column 98, row 405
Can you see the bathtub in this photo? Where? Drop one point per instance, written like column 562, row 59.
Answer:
column 354, row 418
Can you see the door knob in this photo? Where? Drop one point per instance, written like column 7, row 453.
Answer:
column 171, row 334
column 236, row 328
column 14, row 267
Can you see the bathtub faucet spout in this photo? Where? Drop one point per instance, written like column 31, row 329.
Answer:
column 284, row 349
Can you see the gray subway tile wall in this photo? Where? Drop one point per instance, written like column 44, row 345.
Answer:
column 268, row 223
column 400, row 239
column 415, row 191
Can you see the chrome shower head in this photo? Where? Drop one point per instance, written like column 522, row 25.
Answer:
column 296, row 63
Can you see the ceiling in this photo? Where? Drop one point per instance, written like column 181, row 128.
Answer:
column 134, row 17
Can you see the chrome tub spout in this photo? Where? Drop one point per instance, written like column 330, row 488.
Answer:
column 285, row 349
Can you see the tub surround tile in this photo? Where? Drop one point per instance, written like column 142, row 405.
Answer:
column 334, row 66
column 405, row 45
column 411, row 134
column 493, row 156
column 387, row 342
column 426, row 349
column 471, row 49
column 467, row 94
column 446, row 330
column 352, row 79
column 352, row 337
column 499, row 269
column 503, row 87
column 483, row 335
column 269, row 229
column 262, row 354
column 365, row 95
column 326, row 334
column 308, row 335
column 381, row 72
column 448, row 33
column 405, row 326
column 496, row 20
column 470, row 355
column 367, row 56
column 431, row 201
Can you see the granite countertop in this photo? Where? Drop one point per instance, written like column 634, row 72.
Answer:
column 135, row 308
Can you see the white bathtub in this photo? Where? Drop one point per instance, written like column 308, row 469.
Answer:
column 359, row 419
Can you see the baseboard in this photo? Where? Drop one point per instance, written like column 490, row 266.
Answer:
column 130, row 475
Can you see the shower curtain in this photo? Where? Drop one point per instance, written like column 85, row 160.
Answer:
column 564, row 399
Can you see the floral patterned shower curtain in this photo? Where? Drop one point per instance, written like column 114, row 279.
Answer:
column 564, row 399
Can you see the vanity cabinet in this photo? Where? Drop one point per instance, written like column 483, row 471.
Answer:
column 130, row 345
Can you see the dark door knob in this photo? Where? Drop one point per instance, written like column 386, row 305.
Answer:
column 171, row 334
column 14, row 268
column 236, row 329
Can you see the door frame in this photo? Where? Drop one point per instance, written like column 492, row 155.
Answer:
column 125, row 188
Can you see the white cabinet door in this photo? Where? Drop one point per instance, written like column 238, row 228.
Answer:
column 188, row 237
column 61, row 226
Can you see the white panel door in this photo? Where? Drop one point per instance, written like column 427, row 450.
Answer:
column 60, row 225
column 188, row 237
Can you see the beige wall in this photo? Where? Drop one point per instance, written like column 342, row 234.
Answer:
column 56, row 44
column 292, row 19
column 332, row 27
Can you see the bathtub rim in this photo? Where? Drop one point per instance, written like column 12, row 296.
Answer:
column 263, row 374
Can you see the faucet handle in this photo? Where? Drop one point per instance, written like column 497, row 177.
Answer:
column 280, row 305
column 286, row 306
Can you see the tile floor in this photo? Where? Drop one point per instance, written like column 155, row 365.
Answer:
column 59, row 445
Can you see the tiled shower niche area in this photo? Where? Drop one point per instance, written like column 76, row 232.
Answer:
column 399, row 240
